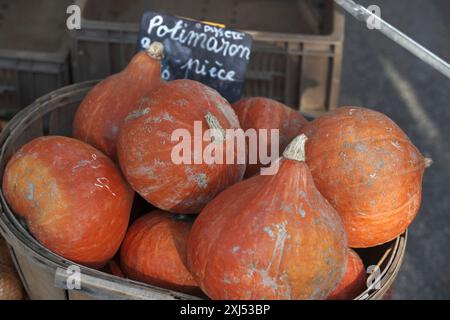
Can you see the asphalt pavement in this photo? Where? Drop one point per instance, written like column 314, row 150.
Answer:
column 379, row 74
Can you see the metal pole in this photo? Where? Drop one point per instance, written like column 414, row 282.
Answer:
column 362, row 14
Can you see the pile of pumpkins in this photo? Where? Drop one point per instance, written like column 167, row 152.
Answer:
column 349, row 179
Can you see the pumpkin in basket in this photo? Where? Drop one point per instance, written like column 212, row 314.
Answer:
column 154, row 252
column 101, row 113
column 354, row 281
column 264, row 113
column 269, row 237
column 10, row 284
column 162, row 146
column 369, row 171
column 72, row 197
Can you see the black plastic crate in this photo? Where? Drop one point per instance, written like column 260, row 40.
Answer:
column 297, row 50
column 34, row 51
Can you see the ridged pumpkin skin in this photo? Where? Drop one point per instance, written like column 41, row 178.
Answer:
column 101, row 113
column 154, row 252
column 368, row 170
column 72, row 197
column 354, row 281
column 145, row 147
column 264, row 113
column 269, row 237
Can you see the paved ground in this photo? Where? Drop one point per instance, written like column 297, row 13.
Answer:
column 383, row 76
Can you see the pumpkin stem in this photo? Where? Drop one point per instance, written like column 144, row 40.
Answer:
column 156, row 50
column 428, row 162
column 217, row 132
column 296, row 149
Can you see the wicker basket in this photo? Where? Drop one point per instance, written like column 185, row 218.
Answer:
column 44, row 274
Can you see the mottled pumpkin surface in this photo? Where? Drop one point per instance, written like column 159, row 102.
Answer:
column 269, row 237
column 102, row 112
column 368, row 170
column 154, row 252
column 72, row 197
column 264, row 113
column 354, row 281
column 146, row 147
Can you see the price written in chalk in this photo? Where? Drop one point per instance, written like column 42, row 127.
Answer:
column 211, row 54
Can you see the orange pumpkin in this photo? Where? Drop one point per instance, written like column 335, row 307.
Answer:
column 369, row 170
column 72, row 197
column 101, row 113
column 269, row 237
column 154, row 252
column 112, row 267
column 148, row 142
column 354, row 281
column 263, row 113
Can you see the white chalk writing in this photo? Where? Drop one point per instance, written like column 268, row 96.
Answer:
column 204, row 68
column 219, row 43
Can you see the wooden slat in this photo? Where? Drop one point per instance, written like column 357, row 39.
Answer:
column 77, row 295
column 38, row 281
column 61, row 121
column 314, row 80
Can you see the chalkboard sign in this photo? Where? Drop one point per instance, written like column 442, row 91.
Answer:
column 211, row 54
